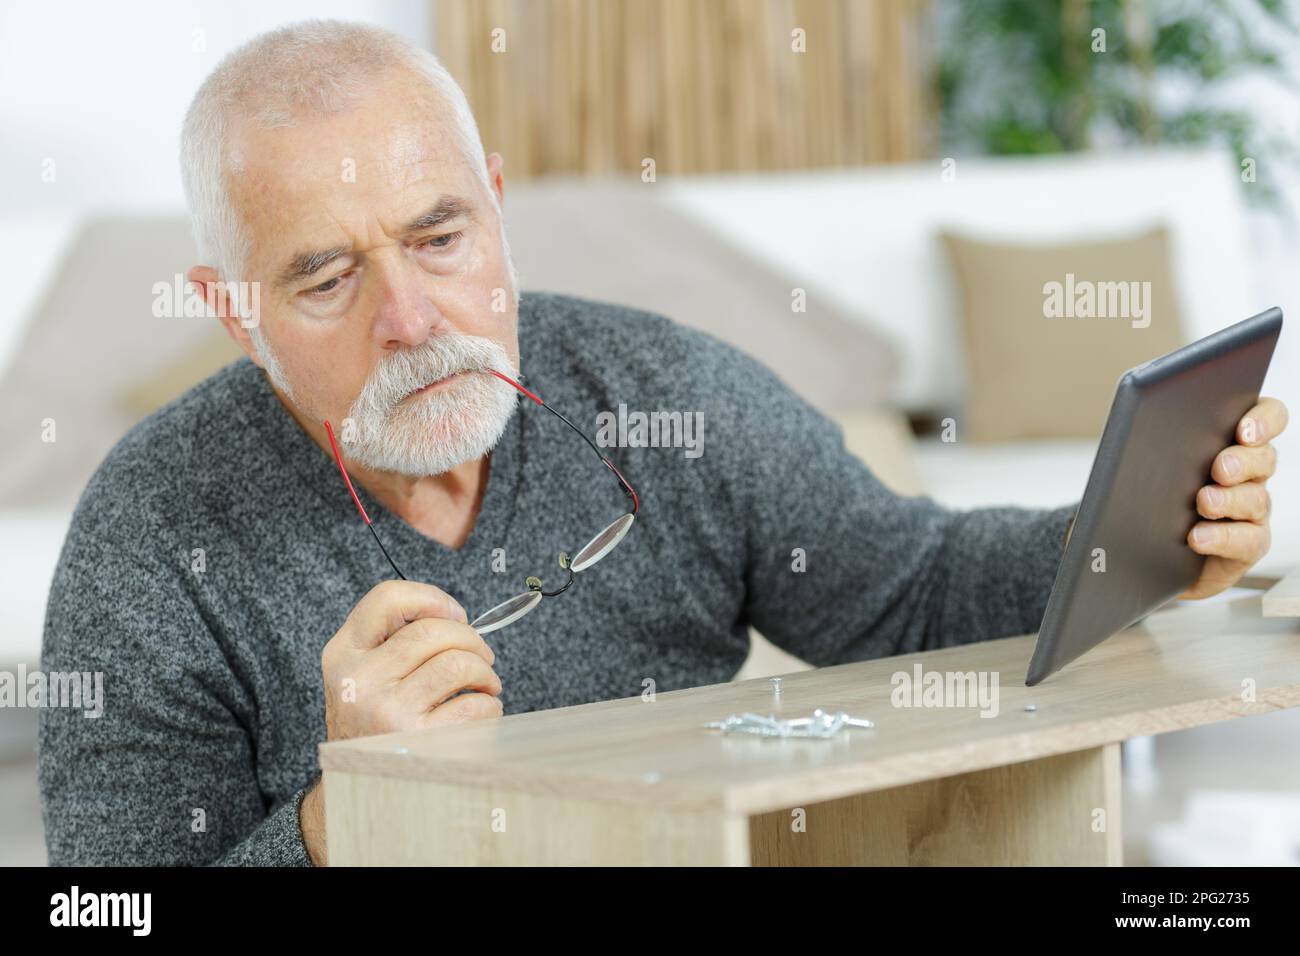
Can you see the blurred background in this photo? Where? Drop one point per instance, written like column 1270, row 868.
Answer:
column 868, row 195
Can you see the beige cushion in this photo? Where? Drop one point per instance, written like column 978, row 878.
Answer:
column 91, row 338
column 1034, row 376
column 154, row 391
column 883, row 439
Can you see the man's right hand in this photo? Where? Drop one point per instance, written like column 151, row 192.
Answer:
column 399, row 661
column 406, row 658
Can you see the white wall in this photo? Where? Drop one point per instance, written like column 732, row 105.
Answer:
column 101, row 88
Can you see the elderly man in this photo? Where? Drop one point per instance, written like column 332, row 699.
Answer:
column 340, row 170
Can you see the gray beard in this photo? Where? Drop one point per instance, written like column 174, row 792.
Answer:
column 428, row 434
column 432, row 433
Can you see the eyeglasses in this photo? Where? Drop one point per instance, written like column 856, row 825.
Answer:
column 507, row 612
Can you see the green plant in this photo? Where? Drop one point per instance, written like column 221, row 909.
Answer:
column 1046, row 76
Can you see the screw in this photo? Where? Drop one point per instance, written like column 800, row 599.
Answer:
column 1031, row 708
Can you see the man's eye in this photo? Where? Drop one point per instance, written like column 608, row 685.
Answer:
column 325, row 288
column 444, row 241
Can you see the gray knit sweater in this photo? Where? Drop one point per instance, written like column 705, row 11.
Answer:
column 216, row 551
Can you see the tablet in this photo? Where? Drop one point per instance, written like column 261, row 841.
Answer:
column 1127, row 552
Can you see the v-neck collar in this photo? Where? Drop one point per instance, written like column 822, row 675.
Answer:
column 282, row 434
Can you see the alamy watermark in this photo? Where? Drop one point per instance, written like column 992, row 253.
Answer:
column 182, row 299
column 626, row 429
column 76, row 690
column 1085, row 299
column 129, row 910
column 946, row 689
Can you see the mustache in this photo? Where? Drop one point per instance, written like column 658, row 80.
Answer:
column 400, row 374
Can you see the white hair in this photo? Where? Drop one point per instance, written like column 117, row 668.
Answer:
column 316, row 67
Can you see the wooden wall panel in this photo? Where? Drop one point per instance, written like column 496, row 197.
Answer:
column 595, row 86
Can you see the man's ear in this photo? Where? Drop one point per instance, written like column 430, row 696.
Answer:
column 494, row 166
column 207, row 280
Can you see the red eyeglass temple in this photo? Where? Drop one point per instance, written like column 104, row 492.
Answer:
column 338, row 457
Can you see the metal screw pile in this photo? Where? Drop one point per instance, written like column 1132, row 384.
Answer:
column 820, row 724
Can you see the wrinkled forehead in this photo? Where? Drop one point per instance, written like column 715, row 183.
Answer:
column 378, row 162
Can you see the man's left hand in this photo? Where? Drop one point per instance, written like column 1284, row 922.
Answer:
column 1237, row 506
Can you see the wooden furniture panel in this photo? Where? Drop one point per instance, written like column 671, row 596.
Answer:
column 1057, row 811
column 634, row 781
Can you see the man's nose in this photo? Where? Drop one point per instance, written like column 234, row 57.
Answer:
column 406, row 315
